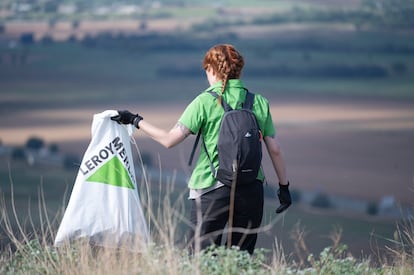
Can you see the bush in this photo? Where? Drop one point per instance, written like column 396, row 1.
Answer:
column 399, row 68
column 47, row 40
column 220, row 260
column 31, row 258
column 27, row 38
column 71, row 162
column 334, row 262
column 322, row 201
column 296, row 195
column 35, row 143
column 372, row 208
column 18, row 153
column 54, row 148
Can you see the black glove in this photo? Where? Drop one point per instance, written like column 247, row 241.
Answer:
column 284, row 198
column 126, row 117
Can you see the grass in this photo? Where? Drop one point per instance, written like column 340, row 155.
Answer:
column 285, row 246
column 31, row 250
column 57, row 183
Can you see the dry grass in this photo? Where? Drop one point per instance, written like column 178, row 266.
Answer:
column 35, row 255
column 31, row 251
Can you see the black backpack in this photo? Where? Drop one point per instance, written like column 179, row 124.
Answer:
column 239, row 145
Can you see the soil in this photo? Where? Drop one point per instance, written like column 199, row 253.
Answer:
column 358, row 149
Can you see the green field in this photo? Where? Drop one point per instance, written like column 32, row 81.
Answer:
column 111, row 70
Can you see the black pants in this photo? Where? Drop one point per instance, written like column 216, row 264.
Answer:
column 214, row 208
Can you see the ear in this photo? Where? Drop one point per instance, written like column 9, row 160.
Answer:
column 211, row 76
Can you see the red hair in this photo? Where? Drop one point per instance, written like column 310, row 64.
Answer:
column 226, row 63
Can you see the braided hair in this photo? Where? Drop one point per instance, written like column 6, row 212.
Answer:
column 226, row 63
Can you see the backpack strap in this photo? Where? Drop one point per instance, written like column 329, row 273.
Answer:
column 199, row 134
column 213, row 170
column 226, row 106
column 248, row 104
column 194, row 148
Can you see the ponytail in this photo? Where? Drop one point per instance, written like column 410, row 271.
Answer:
column 223, row 88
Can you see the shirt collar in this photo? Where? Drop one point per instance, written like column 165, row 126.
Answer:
column 231, row 83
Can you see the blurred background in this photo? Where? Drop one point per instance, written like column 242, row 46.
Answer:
column 339, row 76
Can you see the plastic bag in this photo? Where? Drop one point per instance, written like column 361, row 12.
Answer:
column 104, row 206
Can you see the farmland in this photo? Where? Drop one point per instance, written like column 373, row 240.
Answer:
column 342, row 102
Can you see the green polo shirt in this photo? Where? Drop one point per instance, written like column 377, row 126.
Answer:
column 205, row 113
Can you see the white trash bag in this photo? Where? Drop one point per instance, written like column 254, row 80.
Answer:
column 104, row 206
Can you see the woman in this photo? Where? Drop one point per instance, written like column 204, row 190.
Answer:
column 212, row 201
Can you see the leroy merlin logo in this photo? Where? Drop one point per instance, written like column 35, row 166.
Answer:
column 116, row 171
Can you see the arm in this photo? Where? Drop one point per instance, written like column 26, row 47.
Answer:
column 166, row 138
column 275, row 152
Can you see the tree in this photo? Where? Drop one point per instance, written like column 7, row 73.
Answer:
column 322, row 201
column 399, row 67
column 54, row 148
column 51, row 6
column 18, row 153
column 27, row 38
column 75, row 24
column 52, row 23
column 142, row 25
column 35, row 143
column 392, row 13
column 71, row 162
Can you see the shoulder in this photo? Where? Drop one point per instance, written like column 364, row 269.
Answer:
column 203, row 98
column 261, row 106
column 199, row 104
column 260, row 100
